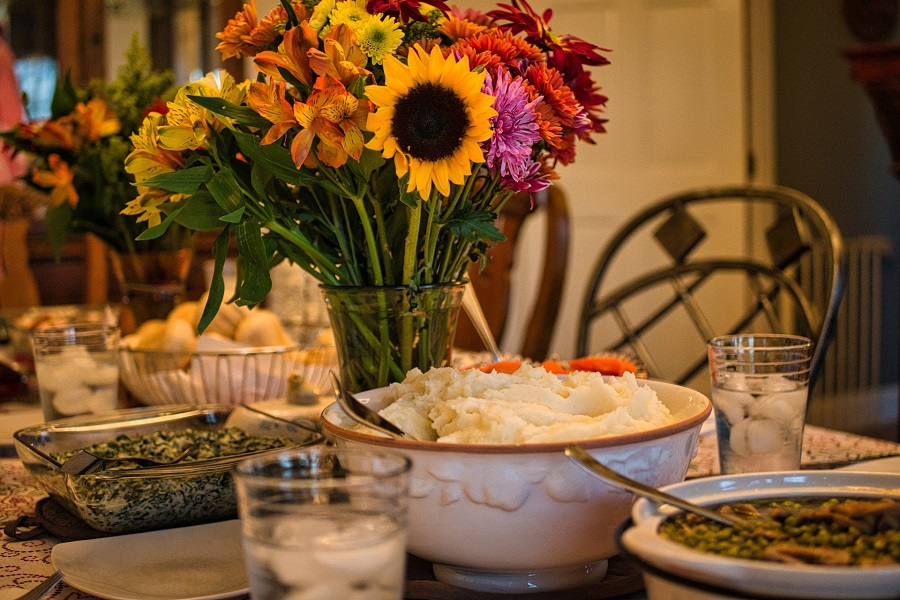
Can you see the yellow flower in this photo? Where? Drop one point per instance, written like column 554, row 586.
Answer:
column 59, row 178
column 319, row 18
column 148, row 158
column 379, row 38
column 350, row 12
column 187, row 124
column 431, row 117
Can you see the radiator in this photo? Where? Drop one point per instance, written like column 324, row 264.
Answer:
column 846, row 396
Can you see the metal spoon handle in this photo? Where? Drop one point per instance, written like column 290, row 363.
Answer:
column 473, row 308
column 589, row 464
column 44, row 589
column 361, row 413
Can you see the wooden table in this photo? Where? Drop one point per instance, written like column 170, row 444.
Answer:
column 24, row 564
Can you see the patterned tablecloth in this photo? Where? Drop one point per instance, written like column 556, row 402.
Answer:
column 24, row 564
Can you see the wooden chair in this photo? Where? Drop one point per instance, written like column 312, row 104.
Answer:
column 493, row 284
column 712, row 262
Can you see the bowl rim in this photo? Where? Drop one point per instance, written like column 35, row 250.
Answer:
column 641, row 538
column 243, row 351
column 149, row 414
column 685, row 424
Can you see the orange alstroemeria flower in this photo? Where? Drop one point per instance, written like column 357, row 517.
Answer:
column 95, row 120
column 342, row 58
column 52, row 134
column 336, row 117
column 269, row 101
column 59, row 178
column 291, row 55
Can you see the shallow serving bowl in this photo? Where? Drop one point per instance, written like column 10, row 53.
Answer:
column 675, row 572
column 121, row 501
column 525, row 518
column 227, row 376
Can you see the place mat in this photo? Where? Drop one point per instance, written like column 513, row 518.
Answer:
column 622, row 577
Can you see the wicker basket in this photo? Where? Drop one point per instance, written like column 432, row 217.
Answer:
column 234, row 376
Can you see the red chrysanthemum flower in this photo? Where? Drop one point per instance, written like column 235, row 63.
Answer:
column 495, row 48
column 568, row 54
column 588, row 94
column 405, row 10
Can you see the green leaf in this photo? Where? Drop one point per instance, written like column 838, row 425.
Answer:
column 410, row 199
column 369, row 162
column 65, row 97
column 226, row 190
column 157, row 230
column 277, row 159
column 476, row 226
column 234, row 216
column 185, row 181
column 217, row 284
column 201, row 212
column 242, row 114
column 256, row 282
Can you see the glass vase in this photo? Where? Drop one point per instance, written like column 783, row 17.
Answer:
column 383, row 332
column 151, row 283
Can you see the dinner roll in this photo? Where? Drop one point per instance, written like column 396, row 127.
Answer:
column 261, row 327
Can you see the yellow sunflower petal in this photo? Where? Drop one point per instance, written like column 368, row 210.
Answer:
column 440, row 177
column 418, row 70
column 397, row 76
column 436, row 62
column 381, row 95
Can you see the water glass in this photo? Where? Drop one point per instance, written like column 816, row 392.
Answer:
column 77, row 368
column 324, row 523
column 760, row 387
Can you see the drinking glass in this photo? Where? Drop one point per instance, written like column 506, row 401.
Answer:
column 324, row 523
column 77, row 368
column 760, row 386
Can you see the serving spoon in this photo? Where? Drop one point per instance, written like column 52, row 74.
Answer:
column 361, row 413
column 83, row 462
column 589, row 464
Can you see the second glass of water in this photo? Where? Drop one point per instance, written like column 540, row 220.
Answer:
column 324, row 523
column 760, row 387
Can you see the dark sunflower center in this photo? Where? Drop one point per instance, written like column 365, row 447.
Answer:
column 429, row 122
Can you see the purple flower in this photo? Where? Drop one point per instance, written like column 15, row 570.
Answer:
column 516, row 131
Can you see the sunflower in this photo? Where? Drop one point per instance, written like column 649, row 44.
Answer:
column 431, row 117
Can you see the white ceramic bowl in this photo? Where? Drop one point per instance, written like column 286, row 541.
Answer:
column 674, row 572
column 526, row 518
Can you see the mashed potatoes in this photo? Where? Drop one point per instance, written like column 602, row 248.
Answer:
column 528, row 406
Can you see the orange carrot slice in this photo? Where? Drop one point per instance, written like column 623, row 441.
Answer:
column 608, row 365
column 504, row 366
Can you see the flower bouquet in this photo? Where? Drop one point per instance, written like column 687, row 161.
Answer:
column 78, row 156
column 375, row 149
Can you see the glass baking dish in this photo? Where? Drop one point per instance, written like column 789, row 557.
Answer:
column 157, row 497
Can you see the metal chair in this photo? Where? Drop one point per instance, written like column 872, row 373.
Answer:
column 493, row 283
column 712, row 262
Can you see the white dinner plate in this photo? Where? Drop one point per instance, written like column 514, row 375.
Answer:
column 200, row 562
column 890, row 464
